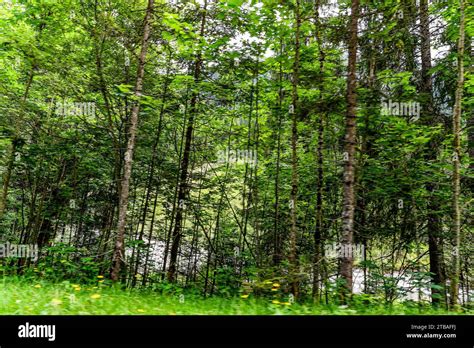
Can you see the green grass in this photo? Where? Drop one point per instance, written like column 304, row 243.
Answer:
column 32, row 297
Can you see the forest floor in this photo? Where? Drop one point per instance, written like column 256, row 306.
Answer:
column 33, row 297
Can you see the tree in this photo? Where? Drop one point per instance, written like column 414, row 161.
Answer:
column 293, row 257
column 118, row 257
column 349, row 153
column 184, row 168
column 454, row 286
column 434, row 227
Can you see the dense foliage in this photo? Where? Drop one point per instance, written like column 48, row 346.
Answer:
column 239, row 156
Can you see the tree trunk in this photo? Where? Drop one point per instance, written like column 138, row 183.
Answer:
column 457, row 163
column 318, row 242
column 293, row 258
column 183, row 186
column 349, row 157
column 434, row 226
column 277, row 247
column 118, row 257
column 151, row 173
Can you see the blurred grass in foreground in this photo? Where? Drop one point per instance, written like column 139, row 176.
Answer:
column 31, row 297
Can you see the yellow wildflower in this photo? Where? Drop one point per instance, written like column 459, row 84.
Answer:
column 100, row 276
column 95, row 296
column 245, row 296
column 140, row 311
column 37, row 286
column 276, row 302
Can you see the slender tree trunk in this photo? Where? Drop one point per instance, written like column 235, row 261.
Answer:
column 175, row 194
column 255, row 191
column 366, row 146
column 277, row 248
column 457, row 162
column 293, row 257
column 246, row 196
column 318, row 242
column 151, row 172
column 434, row 226
column 118, row 257
column 183, row 186
column 349, row 157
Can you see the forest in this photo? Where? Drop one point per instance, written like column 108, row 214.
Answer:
column 236, row 156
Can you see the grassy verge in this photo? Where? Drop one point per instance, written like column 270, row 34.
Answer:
column 32, row 297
